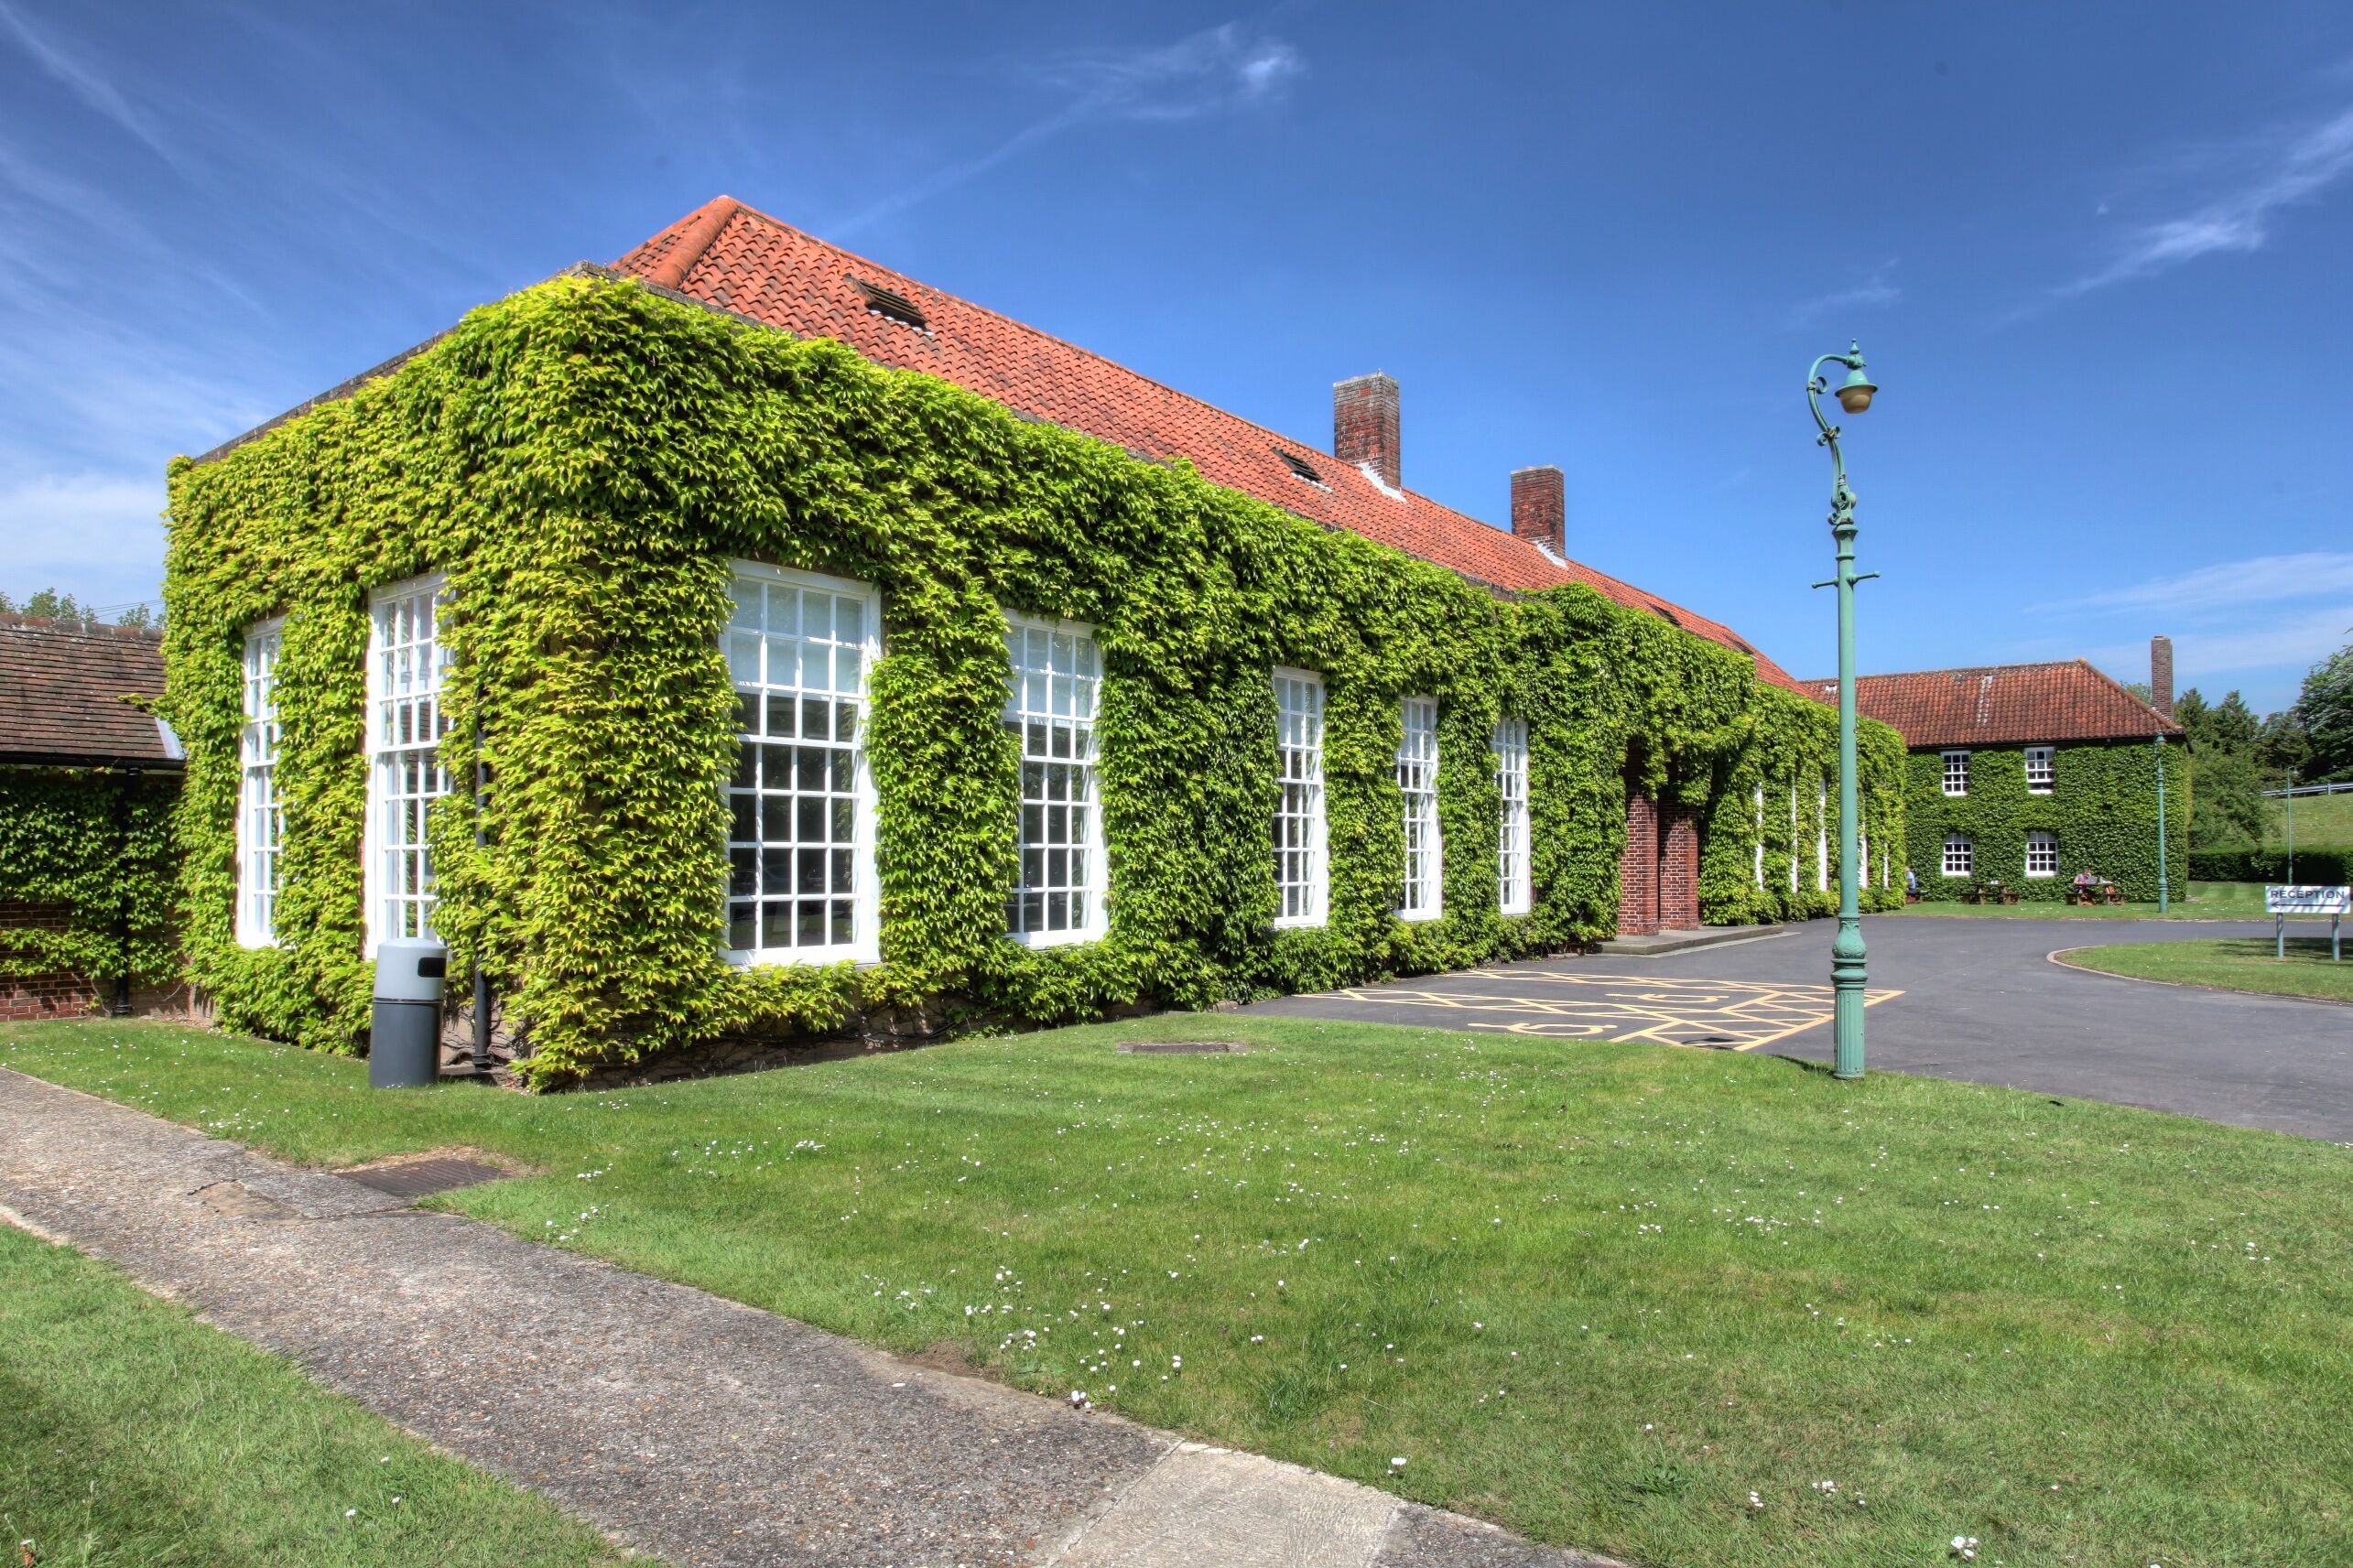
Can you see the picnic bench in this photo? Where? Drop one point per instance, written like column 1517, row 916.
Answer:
column 2095, row 892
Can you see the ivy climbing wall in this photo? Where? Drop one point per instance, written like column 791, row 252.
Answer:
column 582, row 460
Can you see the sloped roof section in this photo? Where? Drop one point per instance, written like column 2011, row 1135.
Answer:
column 64, row 691
column 1998, row 704
column 730, row 256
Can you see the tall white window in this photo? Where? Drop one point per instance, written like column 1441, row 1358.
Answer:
column 2040, row 770
column 1514, row 875
column 1417, row 781
column 1821, row 835
column 1760, row 845
column 1960, row 855
column 406, row 662
column 1957, row 772
column 2042, row 854
column 1051, row 707
column 1793, row 835
column 1300, row 814
column 258, row 818
column 801, row 808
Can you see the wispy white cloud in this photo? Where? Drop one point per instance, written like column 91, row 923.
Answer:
column 2285, row 646
column 97, row 535
column 83, row 80
column 2272, row 176
column 1222, row 68
column 2228, row 586
column 1873, row 293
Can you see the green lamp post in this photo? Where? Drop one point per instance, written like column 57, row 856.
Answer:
column 1846, row 975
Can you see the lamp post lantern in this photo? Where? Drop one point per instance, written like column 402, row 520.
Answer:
column 1846, row 974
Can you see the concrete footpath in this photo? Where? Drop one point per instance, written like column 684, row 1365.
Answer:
column 694, row 1429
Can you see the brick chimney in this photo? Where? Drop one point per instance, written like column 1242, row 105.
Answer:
column 1540, row 507
column 2160, row 674
column 1364, row 424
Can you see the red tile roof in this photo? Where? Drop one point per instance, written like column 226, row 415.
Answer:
column 62, row 685
column 2003, row 705
column 729, row 255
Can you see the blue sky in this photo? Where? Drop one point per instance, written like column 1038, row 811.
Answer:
column 2094, row 253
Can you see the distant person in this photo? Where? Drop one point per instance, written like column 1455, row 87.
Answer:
column 1911, row 882
column 2084, row 878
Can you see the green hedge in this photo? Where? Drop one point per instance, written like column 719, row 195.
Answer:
column 582, row 458
column 99, row 843
column 2313, row 867
column 2102, row 805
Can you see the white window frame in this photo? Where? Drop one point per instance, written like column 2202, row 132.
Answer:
column 2037, row 839
column 1417, row 781
column 1759, row 844
column 1957, row 772
column 1312, row 906
column 1964, row 848
column 2039, row 780
column 864, row 945
column 1046, row 685
column 1822, row 834
column 1515, row 853
column 1793, row 838
column 383, row 890
column 260, row 814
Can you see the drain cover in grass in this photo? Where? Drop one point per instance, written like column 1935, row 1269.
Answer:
column 1181, row 1047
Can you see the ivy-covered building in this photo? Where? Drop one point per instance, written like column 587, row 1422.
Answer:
column 745, row 638
column 88, row 780
column 2026, row 774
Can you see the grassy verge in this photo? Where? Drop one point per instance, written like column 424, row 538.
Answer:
column 1598, row 1292
column 132, row 1434
column 2238, row 964
column 2206, row 900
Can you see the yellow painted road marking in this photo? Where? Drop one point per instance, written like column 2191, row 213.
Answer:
column 1744, row 1014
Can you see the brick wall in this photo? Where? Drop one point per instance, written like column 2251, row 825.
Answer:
column 1638, row 869
column 1678, row 869
column 25, row 999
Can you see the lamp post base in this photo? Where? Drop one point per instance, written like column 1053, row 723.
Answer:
column 1847, row 983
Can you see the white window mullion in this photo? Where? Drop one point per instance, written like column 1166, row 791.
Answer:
column 1957, row 772
column 1960, row 855
column 1822, row 834
column 1056, row 678
column 1514, row 870
column 1417, row 781
column 1299, row 845
column 1759, row 844
column 259, row 821
column 2042, row 853
column 407, row 663
column 801, row 883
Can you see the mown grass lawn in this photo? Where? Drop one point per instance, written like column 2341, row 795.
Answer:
column 134, row 1436
column 2237, row 963
column 1598, row 1292
column 2206, row 900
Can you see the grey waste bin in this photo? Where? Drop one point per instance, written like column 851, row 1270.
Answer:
column 405, row 1033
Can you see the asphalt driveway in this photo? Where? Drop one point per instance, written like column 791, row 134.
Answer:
column 1970, row 998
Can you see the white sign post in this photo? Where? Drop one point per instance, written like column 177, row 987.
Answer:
column 2281, row 900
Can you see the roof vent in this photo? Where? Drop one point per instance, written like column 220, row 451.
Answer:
column 880, row 301
column 1302, row 467
column 1671, row 617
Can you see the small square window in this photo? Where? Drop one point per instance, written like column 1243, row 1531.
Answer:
column 2042, row 854
column 1960, row 855
column 2040, row 770
column 1957, row 772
